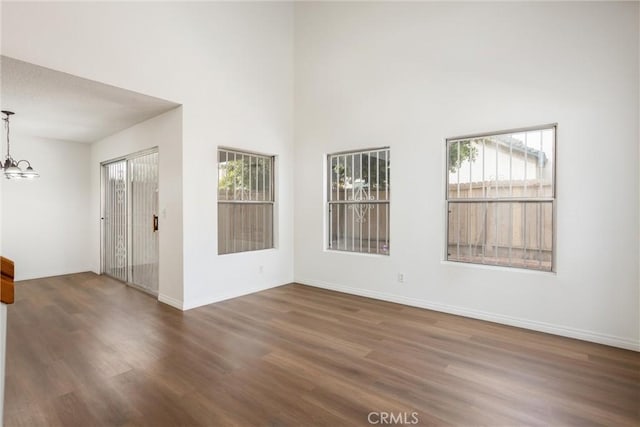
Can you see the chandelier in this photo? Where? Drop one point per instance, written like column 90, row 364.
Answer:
column 10, row 166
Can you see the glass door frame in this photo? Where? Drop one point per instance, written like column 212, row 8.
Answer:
column 128, row 205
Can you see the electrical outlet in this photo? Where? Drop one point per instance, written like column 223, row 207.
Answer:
column 261, row 269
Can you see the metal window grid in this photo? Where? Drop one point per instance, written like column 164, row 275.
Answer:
column 245, row 201
column 358, row 201
column 500, row 198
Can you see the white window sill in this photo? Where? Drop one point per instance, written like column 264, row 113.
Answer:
column 497, row 268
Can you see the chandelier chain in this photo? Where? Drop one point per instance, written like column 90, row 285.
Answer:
column 6, row 125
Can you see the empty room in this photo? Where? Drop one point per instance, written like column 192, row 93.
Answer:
column 320, row 213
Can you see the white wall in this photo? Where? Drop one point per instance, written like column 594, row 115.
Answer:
column 409, row 75
column 45, row 222
column 3, row 308
column 164, row 132
column 228, row 64
column 406, row 75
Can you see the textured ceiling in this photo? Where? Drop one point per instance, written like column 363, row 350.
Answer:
column 56, row 105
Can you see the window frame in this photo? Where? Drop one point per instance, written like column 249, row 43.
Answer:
column 270, row 201
column 385, row 202
column 552, row 200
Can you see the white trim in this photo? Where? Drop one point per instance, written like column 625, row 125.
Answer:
column 229, row 295
column 504, row 132
column 362, row 254
column 505, row 268
column 50, row 273
column 130, row 156
column 171, row 301
column 549, row 328
column 3, row 343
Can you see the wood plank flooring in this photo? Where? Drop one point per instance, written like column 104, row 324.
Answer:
column 86, row 350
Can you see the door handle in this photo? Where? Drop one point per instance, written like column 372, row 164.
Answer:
column 155, row 223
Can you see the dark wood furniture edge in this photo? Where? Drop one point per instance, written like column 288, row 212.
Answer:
column 7, row 271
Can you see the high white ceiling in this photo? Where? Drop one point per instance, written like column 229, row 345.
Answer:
column 56, row 105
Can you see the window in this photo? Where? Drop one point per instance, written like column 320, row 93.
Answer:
column 501, row 198
column 358, row 200
column 245, row 201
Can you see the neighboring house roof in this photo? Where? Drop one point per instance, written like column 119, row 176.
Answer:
column 518, row 146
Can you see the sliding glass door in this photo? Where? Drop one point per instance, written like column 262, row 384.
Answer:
column 130, row 220
column 115, row 220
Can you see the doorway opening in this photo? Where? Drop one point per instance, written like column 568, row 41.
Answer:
column 130, row 220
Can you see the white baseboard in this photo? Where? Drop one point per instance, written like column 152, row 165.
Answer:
column 171, row 301
column 482, row 315
column 229, row 295
column 31, row 275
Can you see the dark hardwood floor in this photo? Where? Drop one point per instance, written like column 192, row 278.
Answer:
column 86, row 350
